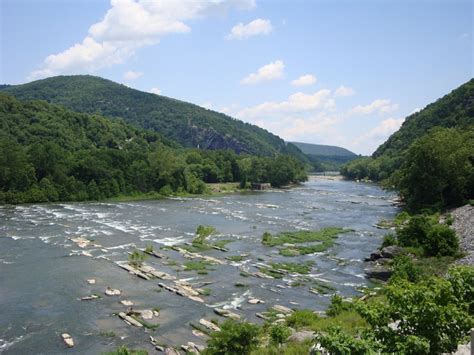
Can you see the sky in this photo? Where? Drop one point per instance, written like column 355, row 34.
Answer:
column 336, row 72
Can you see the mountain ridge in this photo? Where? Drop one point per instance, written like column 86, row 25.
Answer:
column 323, row 149
column 188, row 124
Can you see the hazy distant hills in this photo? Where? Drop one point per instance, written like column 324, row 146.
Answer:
column 324, row 150
column 188, row 124
column 326, row 157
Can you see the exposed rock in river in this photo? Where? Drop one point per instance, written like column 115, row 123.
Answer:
column 68, row 340
column 209, row 325
column 226, row 313
column 130, row 320
column 112, row 292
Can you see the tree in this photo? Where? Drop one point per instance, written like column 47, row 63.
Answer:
column 16, row 173
column 438, row 169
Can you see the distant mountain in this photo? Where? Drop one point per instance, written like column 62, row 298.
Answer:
column 324, row 150
column 188, row 124
column 326, row 157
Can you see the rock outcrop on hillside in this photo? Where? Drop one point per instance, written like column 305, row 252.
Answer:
column 463, row 224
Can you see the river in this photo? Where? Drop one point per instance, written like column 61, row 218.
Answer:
column 43, row 273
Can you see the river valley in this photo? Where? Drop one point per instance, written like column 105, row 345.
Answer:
column 44, row 272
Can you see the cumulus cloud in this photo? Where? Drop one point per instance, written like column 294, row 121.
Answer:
column 127, row 26
column 415, row 110
column 297, row 102
column 271, row 71
column 254, row 28
column 377, row 135
column 344, row 91
column 132, row 75
column 376, row 106
column 155, row 91
column 304, row 80
column 206, row 105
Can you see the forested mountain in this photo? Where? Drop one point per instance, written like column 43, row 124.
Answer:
column 453, row 110
column 326, row 157
column 188, row 124
column 49, row 153
column 324, row 150
column 430, row 158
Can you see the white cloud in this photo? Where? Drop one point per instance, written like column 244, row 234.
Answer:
column 304, row 80
column 254, row 28
column 377, row 106
column 127, row 26
column 155, row 91
column 297, row 102
column 132, row 75
column 377, row 135
column 206, row 105
column 415, row 110
column 271, row 71
column 344, row 91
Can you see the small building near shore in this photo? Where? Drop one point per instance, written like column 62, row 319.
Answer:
column 260, row 185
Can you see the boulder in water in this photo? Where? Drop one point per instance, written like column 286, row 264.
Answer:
column 68, row 340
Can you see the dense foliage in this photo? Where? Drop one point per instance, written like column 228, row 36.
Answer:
column 188, row 124
column 428, row 317
column 48, row 153
column 438, row 169
column 432, row 238
column 430, row 158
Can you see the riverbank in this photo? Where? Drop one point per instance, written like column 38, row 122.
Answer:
column 212, row 189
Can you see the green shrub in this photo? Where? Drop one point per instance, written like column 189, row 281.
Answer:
column 202, row 233
column 388, row 240
column 137, row 258
column 414, row 233
column 233, row 338
column 441, row 241
column 336, row 341
column 337, row 306
column 279, row 333
column 405, row 269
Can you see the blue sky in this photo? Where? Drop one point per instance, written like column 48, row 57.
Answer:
column 329, row 72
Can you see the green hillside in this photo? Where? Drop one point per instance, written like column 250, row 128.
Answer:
column 188, row 124
column 453, row 110
column 50, row 153
column 430, row 158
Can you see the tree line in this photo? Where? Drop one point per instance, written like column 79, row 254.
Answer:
column 49, row 153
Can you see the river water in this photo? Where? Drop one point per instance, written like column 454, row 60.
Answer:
column 43, row 273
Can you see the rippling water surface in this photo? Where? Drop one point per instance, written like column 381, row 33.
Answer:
column 43, row 273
